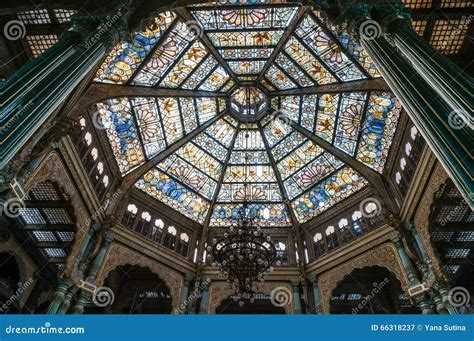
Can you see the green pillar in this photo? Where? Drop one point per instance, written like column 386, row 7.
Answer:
column 78, row 307
column 184, row 293
column 204, row 299
column 35, row 91
column 296, row 296
column 58, row 297
column 313, row 279
column 443, row 75
column 66, row 303
column 85, row 244
column 99, row 259
column 450, row 141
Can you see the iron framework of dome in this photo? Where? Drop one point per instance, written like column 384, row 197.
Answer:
column 309, row 148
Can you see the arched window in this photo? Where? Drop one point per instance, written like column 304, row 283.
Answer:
column 413, row 132
column 317, row 237
column 100, row 167
column 172, row 230
column 282, row 255
column 88, row 138
column 132, row 208
column 408, row 148
column 129, row 216
column 170, row 238
column 398, row 177
column 183, row 244
column 82, row 123
column 94, row 153
column 159, row 223
column 105, row 181
column 184, row 237
column 146, row 216
column 329, row 230
column 403, row 163
column 370, row 207
column 356, row 216
column 342, row 223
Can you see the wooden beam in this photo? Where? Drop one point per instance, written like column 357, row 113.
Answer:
column 186, row 15
column 284, row 38
column 49, row 227
column 373, row 84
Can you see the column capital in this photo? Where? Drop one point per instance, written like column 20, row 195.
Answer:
column 295, row 282
column 187, row 278
column 313, row 278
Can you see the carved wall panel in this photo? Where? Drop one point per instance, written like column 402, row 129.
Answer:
column 53, row 169
column 421, row 219
column 219, row 291
column 384, row 256
column 120, row 255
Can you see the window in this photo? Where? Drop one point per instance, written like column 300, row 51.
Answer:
column 159, row 223
column 146, row 216
column 317, row 237
column 100, row 167
column 403, row 163
column 342, row 223
column 184, row 237
column 105, row 181
column 94, row 153
column 413, row 132
column 329, row 230
column 40, row 43
column 172, row 230
column 398, row 177
column 132, row 208
column 408, row 148
column 88, row 138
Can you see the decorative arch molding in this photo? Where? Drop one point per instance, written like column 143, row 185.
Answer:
column 53, row 169
column 384, row 256
column 219, row 291
column 118, row 255
column 421, row 218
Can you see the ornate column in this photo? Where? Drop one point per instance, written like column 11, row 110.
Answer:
column 58, row 296
column 445, row 297
column 413, row 279
column 296, row 296
column 184, row 293
column 313, row 279
column 33, row 93
column 449, row 139
column 66, row 303
column 78, row 307
column 445, row 77
column 204, row 298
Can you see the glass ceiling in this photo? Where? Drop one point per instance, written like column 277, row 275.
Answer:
column 241, row 56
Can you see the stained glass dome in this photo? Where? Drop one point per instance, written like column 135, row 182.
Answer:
column 313, row 141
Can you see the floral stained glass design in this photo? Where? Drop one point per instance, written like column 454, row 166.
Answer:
column 124, row 59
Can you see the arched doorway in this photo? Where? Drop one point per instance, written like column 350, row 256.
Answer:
column 261, row 305
column 370, row 290
column 137, row 290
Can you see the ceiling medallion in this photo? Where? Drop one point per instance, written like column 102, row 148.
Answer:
column 248, row 102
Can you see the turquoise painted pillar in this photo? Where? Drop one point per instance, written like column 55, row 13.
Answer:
column 296, row 296
column 99, row 259
column 313, row 279
column 204, row 299
column 33, row 93
column 66, row 303
column 444, row 76
column 58, row 297
column 85, row 244
column 184, row 294
column 450, row 140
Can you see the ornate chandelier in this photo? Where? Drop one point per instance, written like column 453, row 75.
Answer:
column 245, row 253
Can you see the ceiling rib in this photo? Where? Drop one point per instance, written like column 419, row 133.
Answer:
column 354, row 86
column 131, row 178
column 284, row 38
column 376, row 180
column 294, row 221
column 207, row 221
column 186, row 15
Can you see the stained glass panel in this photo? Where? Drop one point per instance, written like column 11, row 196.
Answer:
column 216, row 80
column 162, row 187
column 326, row 48
column 279, row 79
column 348, row 123
column 326, row 118
column 378, row 130
column 245, row 39
column 327, row 193
column 200, row 73
column 164, row 56
column 125, row 58
column 298, row 158
column 116, row 116
column 251, row 53
column 171, row 119
column 266, row 215
column 293, row 70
